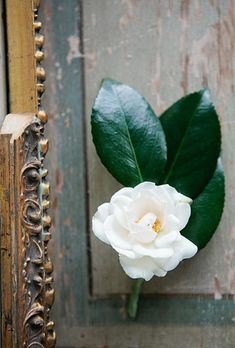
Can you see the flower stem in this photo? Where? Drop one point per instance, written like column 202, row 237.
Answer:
column 132, row 305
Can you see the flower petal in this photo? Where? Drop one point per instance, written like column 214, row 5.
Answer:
column 127, row 224
column 183, row 212
column 144, row 267
column 170, row 223
column 98, row 222
column 126, row 252
column 145, row 203
column 166, row 239
column 183, row 199
column 183, row 249
column 175, row 195
column 147, row 185
column 138, row 208
column 141, row 234
column 116, row 234
column 125, row 191
column 118, row 206
column 154, row 252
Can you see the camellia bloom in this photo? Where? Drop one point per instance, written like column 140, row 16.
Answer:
column 143, row 225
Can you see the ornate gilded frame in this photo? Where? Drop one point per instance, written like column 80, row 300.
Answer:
column 26, row 269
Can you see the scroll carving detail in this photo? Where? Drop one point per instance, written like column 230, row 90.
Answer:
column 37, row 266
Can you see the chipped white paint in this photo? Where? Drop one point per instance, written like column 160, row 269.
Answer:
column 2, row 70
column 217, row 288
column 74, row 50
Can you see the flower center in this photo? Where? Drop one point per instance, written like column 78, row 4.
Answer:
column 156, row 226
column 150, row 220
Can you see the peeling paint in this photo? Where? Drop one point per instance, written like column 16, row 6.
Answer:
column 74, row 52
column 59, row 180
column 67, row 221
column 184, row 19
column 231, row 277
column 67, row 122
column 228, row 256
column 156, row 79
column 128, row 16
column 170, row 8
column 59, row 74
column 91, row 60
column 109, row 50
column 198, row 10
column 211, row 55
column 217, row 288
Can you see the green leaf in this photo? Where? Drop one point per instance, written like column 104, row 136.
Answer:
column 206, row 210
column 193, row 138
column 127, row 134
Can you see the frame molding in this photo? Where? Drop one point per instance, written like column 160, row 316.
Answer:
column 26, row 268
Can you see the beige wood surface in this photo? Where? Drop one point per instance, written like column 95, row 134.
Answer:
column 165, row 49
column 21, row 61
column 2, row 69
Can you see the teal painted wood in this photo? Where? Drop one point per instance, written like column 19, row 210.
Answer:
column 66, row 158
column 165, row 310
column 75, row 308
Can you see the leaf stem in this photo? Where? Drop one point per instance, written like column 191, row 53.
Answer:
column 132, row 305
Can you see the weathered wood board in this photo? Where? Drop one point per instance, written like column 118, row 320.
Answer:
column 66, row 158
column 165, row 49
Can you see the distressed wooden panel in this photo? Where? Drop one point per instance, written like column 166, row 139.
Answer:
column 64, row 102
column 164, row 49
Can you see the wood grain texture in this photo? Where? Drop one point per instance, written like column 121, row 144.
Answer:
column 2, row 67
column 164, row 50
column 21, row 60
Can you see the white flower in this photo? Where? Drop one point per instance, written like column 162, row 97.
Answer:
column 143, row 225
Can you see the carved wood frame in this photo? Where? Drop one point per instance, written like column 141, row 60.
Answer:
column 26, row 269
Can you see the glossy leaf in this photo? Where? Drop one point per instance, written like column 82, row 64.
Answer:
column 127, row 134
column 206, row 210
column 193, row 138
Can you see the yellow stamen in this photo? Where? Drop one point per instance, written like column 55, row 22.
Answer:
column 156, row 226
